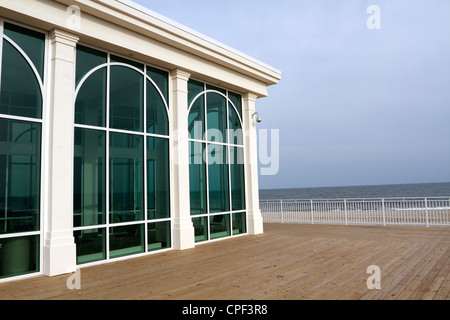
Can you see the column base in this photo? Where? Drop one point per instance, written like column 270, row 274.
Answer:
column 183, row 236
column 255, row 222
column 59, row 255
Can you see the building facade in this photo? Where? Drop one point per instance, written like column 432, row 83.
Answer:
column 122, row 134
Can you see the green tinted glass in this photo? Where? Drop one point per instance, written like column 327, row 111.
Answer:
column 126, row 240
column 90, row 105
column 200, row 228
column 126, row 173
column 89, row 178
column 91, row 245
column 126, row 99
column 158, row 191
column 19, row 256
column 219, row 197
column 237, row 178
column 197, row 178
column 31, row 42
column 239, row 223
column 216, row 117
column 158, row 236
column 20, row 170
column 161, row 79
column 20, row 93
column 236, row 99
column 219, row 226
column 86, row 60
column 157, row 120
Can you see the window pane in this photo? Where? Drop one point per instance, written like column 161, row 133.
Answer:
column 237, row 178
column 126, row 174
column 219, row 197
column 126, row 240
column 127, row 101
column 20, row 91
column 158, row 191
column 19, row 256
column 90, row 105
column 219, row 226
column 196, row 119
column 86, row 60
column 158, row 236
column 132, row 63
column 201, row 229
column 234, row 128
column 91, row 245
column 197, row 178
column 239, row 223
column 236, row 99
column 216, row 117
column 161, row 78
column 157, row 120
column 194, row 89
column 89, row 177
column 20, row 154
column 31, row 42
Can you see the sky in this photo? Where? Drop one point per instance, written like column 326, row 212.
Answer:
column 356, row 105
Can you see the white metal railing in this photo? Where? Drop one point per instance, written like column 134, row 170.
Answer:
column 432, row 211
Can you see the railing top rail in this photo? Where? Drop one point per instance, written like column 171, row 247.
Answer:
column 359, row 199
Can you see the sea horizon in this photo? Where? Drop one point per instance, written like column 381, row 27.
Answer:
column 437, row 189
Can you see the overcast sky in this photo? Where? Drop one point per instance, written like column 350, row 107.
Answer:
column 355, row 106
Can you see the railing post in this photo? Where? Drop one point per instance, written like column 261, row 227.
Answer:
column 282, row 215
column 426, row 211
column 312, row 213
column 384, row 213
column 345, row 209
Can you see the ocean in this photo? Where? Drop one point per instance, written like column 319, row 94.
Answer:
column 378, row 191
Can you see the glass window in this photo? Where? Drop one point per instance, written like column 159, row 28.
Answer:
column 126, row 174
column 126, row 99
column 126, row 240
column 219, row 226
column 91, row 245
column 158, row 235
column 89, row 178
column 20, row 90
column 31, row 42
column 219, row 197
column 158, row 192
column 20, row 155
column 216, row 117
column 197, row 179
column 157, row 120
column 86, row 60
column 239, row 223
column 201, row 228
column 19, row 256
column 237, row 178
column 217, row 180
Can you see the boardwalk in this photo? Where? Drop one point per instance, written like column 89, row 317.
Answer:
column 287, row 262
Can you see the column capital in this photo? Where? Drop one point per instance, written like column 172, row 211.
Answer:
column 180, row 74
column 57, row 35
column 251, row 97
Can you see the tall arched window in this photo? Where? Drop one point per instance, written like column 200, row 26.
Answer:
column 21, row 108
column 216, row 162
column 121, row 165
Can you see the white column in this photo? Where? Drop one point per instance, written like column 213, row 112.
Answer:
column 59, row 246
column 183, row 229
column 255, row 221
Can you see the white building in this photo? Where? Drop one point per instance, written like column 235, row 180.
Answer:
column 122, row 133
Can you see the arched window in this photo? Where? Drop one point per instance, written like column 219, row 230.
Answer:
column 121, row 165
column 216, row 162
column 21, row 103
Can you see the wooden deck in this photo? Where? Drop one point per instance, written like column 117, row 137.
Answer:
column 287, row 262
